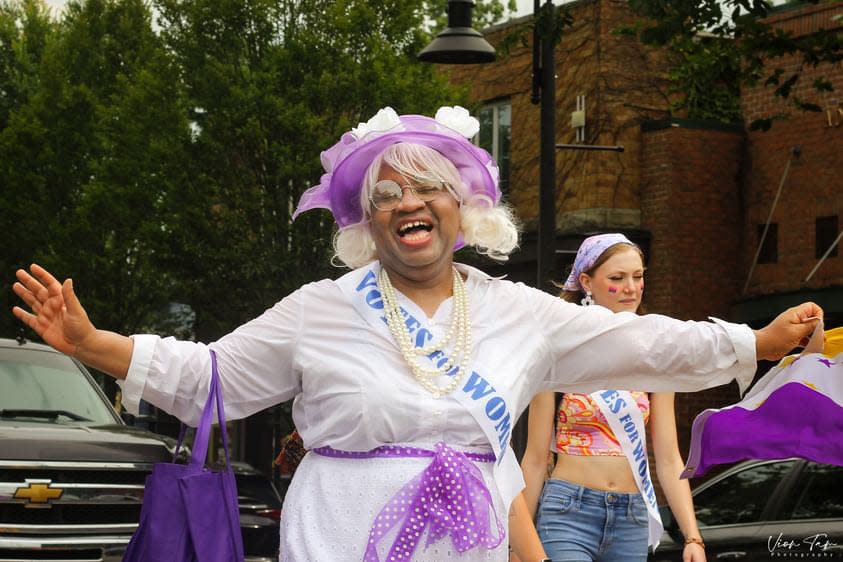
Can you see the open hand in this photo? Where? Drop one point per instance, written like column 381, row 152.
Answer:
column 56, row 314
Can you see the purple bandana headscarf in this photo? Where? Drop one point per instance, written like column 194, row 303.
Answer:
column 346, row 162
column 590, row 251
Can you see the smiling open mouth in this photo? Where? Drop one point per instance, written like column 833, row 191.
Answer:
column 414, row 228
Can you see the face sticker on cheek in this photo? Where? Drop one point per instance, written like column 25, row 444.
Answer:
column 613, row 289
column 641, row 286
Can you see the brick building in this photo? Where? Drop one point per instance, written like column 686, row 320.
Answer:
column 696, row 195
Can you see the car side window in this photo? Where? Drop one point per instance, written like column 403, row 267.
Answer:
column 740, row 497
column 818, row 494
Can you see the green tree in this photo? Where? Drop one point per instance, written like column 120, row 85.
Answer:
column 720, row 44
column 270, row 84
column 87, row 160
column 25, row 33
column 485, row 13
column 139, row 131
column 162, row 162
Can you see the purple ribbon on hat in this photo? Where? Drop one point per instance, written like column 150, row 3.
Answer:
column 449, row 497
column 590, row 251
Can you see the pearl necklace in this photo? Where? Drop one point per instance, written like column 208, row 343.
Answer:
column 459, row 332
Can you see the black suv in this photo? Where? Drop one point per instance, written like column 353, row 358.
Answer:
column 72, row 472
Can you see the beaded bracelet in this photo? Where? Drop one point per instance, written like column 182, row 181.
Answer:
column 695, row 540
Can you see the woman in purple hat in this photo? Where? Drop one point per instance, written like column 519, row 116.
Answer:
column 599, row 503
column 409, row 372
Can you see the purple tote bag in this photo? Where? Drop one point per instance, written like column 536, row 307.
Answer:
column 190, row 513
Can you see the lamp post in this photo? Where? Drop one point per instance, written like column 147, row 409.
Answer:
column 460, row 44
column 544, row 93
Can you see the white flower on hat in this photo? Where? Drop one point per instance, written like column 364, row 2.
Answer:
column 459, row 119
column 384, row 120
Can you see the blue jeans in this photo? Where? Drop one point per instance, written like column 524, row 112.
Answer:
column 578, row 524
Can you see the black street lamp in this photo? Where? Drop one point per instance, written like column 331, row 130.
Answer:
column 459, row 43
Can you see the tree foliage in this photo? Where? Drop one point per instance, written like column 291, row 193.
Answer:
column 719, row 45
column 485, row 13
column 155, row 150
column 86, row 162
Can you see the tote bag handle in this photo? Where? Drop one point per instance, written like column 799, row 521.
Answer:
column 203, row 430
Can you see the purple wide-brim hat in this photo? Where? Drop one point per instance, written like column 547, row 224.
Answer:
column 346, row 162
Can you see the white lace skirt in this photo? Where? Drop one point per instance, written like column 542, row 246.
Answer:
column 331, row 504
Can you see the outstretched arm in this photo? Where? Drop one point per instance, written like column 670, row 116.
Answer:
column 592, row 348
column 61, row 321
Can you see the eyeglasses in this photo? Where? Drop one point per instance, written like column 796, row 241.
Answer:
column 386, row 195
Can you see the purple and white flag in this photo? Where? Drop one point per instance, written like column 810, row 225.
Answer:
column 795, row 410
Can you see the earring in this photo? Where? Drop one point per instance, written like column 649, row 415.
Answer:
column 587, row 300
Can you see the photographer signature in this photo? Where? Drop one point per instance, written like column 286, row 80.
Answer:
column 814, row 543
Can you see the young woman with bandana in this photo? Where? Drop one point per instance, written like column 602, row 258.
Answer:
column 594, row 506
column 409, row 372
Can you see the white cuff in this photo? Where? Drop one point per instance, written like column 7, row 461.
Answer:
column 743, row 340
column 132, row 386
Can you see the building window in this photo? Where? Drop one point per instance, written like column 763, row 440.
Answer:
column 827, row 232
column 495, row 136
column 770, row 248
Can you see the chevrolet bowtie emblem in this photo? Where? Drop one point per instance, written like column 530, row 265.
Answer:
column 38, row 493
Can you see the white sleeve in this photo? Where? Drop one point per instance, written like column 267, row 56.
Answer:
column 256, row 364
column 591, row 348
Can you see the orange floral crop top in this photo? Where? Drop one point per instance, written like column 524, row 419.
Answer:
column 581, row 428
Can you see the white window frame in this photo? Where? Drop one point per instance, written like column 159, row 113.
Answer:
column 496, row 145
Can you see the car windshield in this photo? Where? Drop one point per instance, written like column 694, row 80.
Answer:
column 38, row 385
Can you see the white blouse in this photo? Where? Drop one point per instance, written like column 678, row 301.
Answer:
column 353, row 390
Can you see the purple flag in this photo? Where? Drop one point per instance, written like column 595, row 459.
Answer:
column 795, row 410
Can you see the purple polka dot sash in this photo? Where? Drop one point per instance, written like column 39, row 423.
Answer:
column 449, row 497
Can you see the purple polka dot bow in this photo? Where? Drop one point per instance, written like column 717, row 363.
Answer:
column 449, row 497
